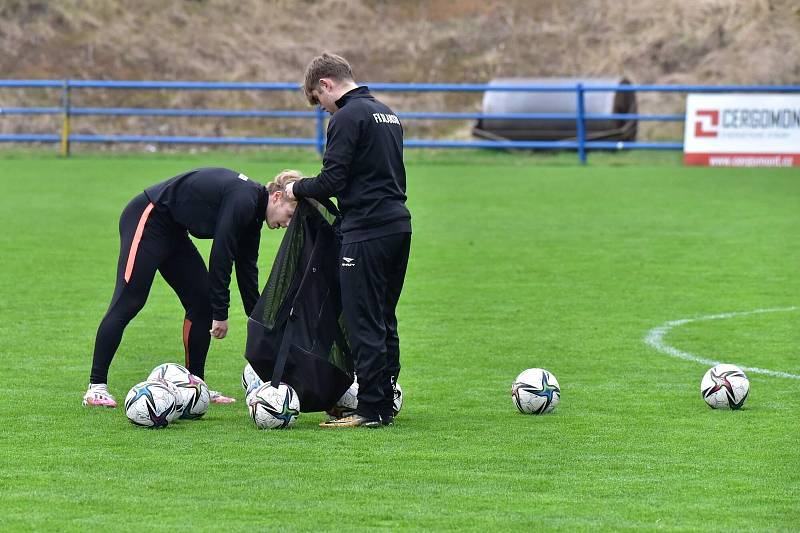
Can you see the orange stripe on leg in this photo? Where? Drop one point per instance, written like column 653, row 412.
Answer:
column 187, row 327
column 135, row 244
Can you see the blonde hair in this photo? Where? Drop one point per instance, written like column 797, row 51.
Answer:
column 325, row 66
column 283, row 178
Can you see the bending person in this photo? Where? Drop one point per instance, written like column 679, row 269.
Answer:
column 208, row 203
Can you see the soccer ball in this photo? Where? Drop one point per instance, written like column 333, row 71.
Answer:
column 346, row 405
column 250, row 380
column 535, row 391
column 169, row 372
column 179, row 405
column 150, row 404
column 194, row 393
column 398, row 399
column 725, row 387
column 272, row 408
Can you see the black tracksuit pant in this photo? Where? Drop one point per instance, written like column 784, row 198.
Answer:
column 371, row 275
column 151, row 241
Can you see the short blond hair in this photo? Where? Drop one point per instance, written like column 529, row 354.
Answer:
column 283, row 178
column 327, row 65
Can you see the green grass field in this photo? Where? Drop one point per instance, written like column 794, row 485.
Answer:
column 516, row 262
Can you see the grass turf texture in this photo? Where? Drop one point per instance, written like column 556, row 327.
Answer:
column 516, row 262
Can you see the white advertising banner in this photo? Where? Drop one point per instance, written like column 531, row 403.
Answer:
column 742, row 130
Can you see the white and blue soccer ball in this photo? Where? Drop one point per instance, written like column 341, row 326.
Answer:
column 250, row 380
column 535, row 391
column 150, row 404
column 725, row 387
column 347, row 404
column 274, row 408
column 195, row 396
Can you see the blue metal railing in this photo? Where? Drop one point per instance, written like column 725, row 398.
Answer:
column 580, row 144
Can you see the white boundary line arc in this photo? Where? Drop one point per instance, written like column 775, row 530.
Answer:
column 655, row 338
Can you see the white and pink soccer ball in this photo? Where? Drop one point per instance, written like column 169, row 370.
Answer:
column 195, row 396
column 725, row 387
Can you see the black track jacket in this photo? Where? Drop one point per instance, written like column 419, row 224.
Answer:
column 363, row 168
column 224, row 205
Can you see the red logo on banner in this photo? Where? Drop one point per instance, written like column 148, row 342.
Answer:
column 712, row 121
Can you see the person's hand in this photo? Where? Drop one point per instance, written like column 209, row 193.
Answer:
column 219, row 328
column 290, row 191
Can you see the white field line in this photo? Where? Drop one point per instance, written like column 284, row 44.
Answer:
column 655, row 338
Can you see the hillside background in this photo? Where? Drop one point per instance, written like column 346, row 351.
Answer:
column 667, row 41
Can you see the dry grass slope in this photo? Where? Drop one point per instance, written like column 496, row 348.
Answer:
column 671, row 41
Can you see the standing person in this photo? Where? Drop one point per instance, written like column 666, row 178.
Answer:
column 363, row 168
column 208, row 203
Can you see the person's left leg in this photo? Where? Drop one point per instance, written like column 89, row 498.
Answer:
column 371, row 275
column 185, row 271
column 363, row 292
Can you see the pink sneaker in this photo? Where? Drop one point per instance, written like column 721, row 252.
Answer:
column 98, row 396
column 217, row 397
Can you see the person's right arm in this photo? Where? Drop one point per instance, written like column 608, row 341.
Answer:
column 343, row 134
